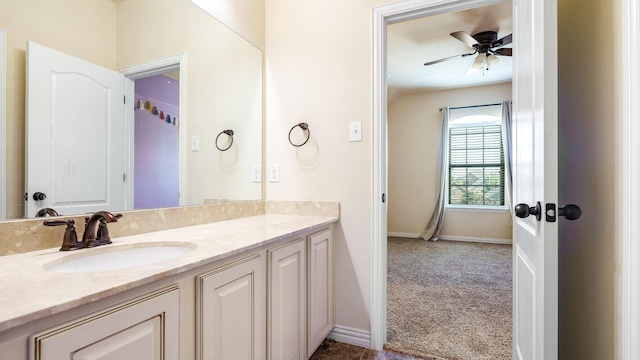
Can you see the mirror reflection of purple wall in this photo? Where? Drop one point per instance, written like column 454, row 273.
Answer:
column 156, row 142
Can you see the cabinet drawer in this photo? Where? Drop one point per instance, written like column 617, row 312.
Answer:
column 146, row 328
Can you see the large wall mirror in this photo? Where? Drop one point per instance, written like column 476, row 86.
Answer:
column 215, row 76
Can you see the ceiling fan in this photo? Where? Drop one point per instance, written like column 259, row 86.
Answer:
column 486, row 44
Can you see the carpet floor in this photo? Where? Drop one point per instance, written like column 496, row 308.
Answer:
column 449, row 300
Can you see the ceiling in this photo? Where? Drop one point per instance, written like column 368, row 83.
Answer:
column 412, row 43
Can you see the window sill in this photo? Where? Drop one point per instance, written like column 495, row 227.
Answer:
column 471, row 208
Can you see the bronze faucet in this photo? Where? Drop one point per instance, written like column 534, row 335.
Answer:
column 95, row 230
column 91, row 237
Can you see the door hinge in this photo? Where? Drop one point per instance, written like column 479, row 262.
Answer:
column 124, row 177
column 383, row 198
column 125, row 99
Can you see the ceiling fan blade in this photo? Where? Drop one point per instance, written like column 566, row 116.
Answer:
column 477, row 64
column 492, row 60
column 465, row 38
column 447, row 58
column 503, row 51
column 502, row 41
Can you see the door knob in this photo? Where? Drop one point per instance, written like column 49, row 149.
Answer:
column 39, row 196
column 570, row 212
column 524, row 210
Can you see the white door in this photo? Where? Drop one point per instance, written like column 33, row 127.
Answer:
column 75, row 131
column 535, row 179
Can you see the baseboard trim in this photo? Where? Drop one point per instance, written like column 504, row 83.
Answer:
column 475, row 239
column 351, row 336
column 453, row 238
column 403, row 234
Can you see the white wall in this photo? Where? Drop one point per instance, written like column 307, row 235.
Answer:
column 414, row 124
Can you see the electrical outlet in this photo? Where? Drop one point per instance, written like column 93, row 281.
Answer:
column 274, row 173
column 256, row 173
column 195, row 143
column 355, row 131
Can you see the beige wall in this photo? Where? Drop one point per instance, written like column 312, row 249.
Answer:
column 224, row 90
column 587, row 165
column 84, row 29
column 414, row 123
column 319, row 71
column 245, row 17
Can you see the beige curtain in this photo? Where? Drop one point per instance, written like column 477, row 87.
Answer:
column 506, row 146
column 435, row 223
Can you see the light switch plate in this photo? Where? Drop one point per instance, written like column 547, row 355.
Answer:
column 195, row 143
column 355, row 131
column 274, row 173
column 256, row 173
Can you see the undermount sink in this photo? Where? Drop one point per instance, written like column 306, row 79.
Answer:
column 114, row 257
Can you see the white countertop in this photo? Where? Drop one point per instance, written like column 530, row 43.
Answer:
column 29, row 292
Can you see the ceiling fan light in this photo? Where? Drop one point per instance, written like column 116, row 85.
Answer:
column 477, row 64
column 492, row 60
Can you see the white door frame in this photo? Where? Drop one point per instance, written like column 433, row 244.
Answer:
column 628, row 195
column 150, row 68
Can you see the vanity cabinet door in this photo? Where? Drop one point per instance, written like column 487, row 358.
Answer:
column 287, row 301
column 231, row 313
column 146, row 328
column 320, row 308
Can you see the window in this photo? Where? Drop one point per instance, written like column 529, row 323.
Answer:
column 476, row 158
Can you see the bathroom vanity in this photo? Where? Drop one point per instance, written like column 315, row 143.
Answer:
column 259, row 287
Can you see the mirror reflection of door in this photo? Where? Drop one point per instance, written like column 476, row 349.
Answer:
column 75, row 151
column 156, row 148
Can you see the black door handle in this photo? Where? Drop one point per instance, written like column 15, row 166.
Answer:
column 524, row 210
column 570, row 212
column 39, row 196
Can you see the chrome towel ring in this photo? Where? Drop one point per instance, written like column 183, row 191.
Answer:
column 228, row 133
column 304, row 127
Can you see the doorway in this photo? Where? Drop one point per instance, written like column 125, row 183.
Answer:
column 391, row 14
column 175, row 67
column 450, row 297
column 156, row 146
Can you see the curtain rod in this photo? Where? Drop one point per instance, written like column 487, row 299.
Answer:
column 472, row 106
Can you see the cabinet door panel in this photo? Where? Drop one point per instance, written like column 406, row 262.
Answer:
column 146, row 328
column 321, row 320
column 230, row 311
column 287, row 301
column 140, row 342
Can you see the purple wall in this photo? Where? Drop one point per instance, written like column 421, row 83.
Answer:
column 156, row 144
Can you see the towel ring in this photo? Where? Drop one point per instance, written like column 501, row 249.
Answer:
column 303, row 126
column 230, row 134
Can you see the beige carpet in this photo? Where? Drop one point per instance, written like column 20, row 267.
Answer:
column 449, row 300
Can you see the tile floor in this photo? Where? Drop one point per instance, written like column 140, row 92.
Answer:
column 333, row 350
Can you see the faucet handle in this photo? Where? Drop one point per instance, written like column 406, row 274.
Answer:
column 70, row 238
column 102, row 237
